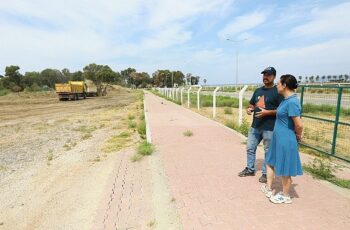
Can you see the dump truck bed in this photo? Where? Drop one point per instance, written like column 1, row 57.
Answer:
column 71, row 90
column 63, row 88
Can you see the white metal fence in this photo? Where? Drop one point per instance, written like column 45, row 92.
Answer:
column 238, row 91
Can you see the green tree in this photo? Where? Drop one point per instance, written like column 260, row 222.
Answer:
column 179, row 77
column 100, row 74
column 162, row 78
column 50, row 77
column 77, row 76
column 195, row 80
column 29, row 79
column 12, row 72
column 125, row 76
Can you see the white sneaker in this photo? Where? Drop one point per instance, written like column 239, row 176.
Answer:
column 266, row 190
column 280, row 198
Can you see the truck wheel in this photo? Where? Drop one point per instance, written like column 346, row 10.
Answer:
column 84, row 95
column 77, row 97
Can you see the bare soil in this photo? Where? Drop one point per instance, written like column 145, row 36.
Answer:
column 53, row 170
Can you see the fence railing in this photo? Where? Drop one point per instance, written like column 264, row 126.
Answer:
column 325, row 111
column 326, row 118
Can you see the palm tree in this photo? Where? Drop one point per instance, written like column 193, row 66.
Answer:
column 323, row 78
column 205, row 81
column 346, row 77
column 317, row 78
column 300, row 78
column 329, row 78
column 311, row 79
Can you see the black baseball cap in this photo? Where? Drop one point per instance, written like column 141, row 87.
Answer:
column 269, row 70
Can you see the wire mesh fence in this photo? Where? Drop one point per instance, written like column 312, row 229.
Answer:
column 326, row 119
column 325, row 112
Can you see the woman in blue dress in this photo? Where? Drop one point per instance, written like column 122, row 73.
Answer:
column 283, row 158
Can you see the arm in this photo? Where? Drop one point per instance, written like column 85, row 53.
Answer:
column 298, row 127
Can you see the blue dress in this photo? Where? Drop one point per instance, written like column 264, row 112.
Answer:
column 283, row 152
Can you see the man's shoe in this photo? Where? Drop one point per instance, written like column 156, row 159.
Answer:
column 246, row 172
column 263, row 178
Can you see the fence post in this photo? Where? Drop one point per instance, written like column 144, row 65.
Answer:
column 198, row 102
column 336, row 122
column 214, row 101
column 188, row 97
column 173, row 93
column 240, row 115
column 181, row 95
column 302, row 98
column 177, row 94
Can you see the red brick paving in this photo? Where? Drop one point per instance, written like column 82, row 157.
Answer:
column 202, row 173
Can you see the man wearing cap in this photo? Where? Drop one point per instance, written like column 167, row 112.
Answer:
column 263, row 105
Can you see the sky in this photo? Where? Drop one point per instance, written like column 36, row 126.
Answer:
column 300, row 37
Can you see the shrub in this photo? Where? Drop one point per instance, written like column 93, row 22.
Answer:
column 141, row 128
column 322, row 168
column 145, row 149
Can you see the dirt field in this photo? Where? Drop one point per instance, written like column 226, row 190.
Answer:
column 56, row 158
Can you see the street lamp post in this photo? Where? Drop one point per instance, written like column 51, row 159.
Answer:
column 236, row 42
column 172, row 78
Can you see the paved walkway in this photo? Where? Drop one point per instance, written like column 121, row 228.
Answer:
column 202, row 175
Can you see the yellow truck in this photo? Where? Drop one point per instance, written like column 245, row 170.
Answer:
column 73, row 90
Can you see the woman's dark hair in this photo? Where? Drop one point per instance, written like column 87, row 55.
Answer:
column 290, row 81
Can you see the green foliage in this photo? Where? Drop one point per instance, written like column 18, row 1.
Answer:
column 131, row 117
column 145, row 149
column 322, row 168
column 244, row 128
column 132, row 125
column 141, row 129
column 167, row 78
column 3, row 92
column 221, row 101
column 330, row 109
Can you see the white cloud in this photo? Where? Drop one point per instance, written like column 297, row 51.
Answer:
column 164, row 12
column 61, row 33
column 329, row 21
column 243, row 23
column 318, row 59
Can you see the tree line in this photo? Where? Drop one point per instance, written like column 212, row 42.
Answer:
column 324, row 78
column 15, row 81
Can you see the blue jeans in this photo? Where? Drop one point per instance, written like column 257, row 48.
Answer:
column 254, row 138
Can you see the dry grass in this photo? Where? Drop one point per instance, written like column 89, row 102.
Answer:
column 118, row 142
column 188, row 133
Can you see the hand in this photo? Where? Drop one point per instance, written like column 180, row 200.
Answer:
column 299, row 137
column 249, row 111
column 263, row 112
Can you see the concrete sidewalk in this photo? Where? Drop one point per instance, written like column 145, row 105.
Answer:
column 202, row 175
